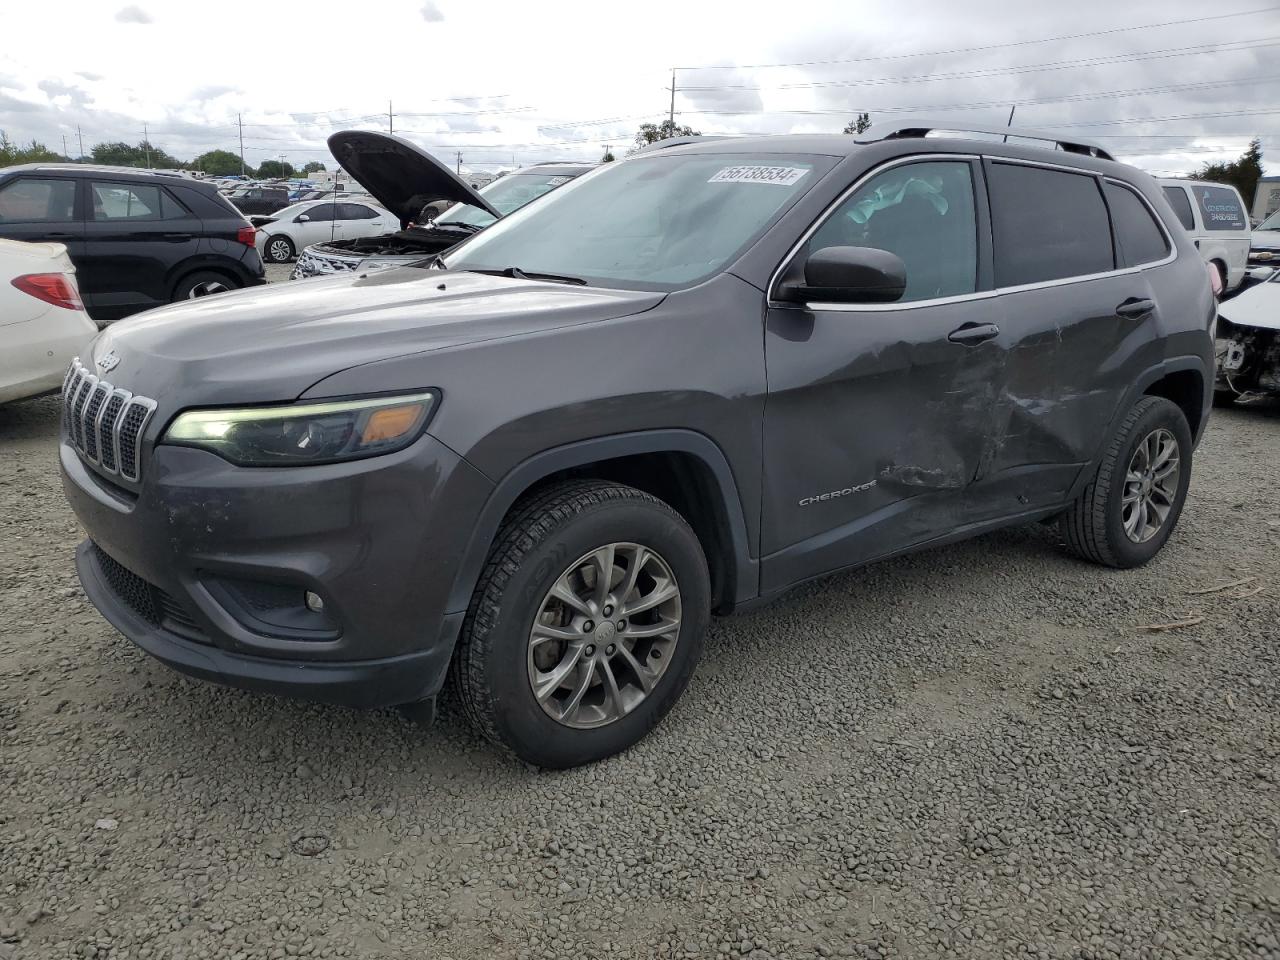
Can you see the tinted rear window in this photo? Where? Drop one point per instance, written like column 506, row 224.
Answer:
column 1139, row 238
column 1177, row 198
column 1047, row 224
column 1220, row 208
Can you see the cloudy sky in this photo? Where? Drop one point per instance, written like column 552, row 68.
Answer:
column 502, row 81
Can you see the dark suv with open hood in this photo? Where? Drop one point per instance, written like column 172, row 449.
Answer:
column 679, row 385
column 405, row 179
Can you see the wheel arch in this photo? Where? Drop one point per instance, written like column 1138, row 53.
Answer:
column 684, row 468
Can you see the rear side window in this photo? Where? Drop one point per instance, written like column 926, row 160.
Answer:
column 1220, row 208
column 1181, row 204
column 126, row 201
column 32, row 200
column 1047, row 224
column 355, row 211
column 1139, row 238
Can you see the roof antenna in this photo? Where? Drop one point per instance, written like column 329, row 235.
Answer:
column 1010, row 123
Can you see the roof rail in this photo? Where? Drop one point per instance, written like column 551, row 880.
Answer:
column 924, row 128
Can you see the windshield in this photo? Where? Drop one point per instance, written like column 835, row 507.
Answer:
column 506, row 195
column 1271, row 223
column 651, row 223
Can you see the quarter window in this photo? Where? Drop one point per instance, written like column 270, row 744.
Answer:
column 31, row 200
column 1177, row 198
column 1220, row 208
column 1047, row 225
column 1139, row 238
column 924, row 213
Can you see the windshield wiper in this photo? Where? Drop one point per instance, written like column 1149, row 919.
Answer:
column 515, row 273
column 456, row 225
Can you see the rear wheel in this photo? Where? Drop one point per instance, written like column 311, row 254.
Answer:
column 1133, row 502
column 586, row 624
column 203, row 283
column 278, row 249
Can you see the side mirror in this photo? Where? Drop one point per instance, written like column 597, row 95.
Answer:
column 302, row 218
column 847, row 275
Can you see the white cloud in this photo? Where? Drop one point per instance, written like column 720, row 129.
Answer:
column 431, row 13
column 133, row 14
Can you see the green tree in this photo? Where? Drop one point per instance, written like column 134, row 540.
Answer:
column 608, row 156
column 272, row 169
column 1242, row 174
column 218, row 163
column 653, row 132
column 860, row 124
column 313, row 166
column 12, row 154
column 120, row 154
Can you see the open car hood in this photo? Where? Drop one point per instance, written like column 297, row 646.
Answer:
column 399, row 175
column 1257, row 307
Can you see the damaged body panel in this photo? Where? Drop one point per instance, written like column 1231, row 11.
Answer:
column 1248, row 341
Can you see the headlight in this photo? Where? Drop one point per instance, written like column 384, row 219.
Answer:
column 305, row 433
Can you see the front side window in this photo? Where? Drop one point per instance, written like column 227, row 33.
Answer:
column 125, row 201
column 1177, row 198
column 650, row 223
column 1047, row 225
column 1220, row 208
column 32, row 200
column 321, row 211
column 924, row 213
column 1139, row 238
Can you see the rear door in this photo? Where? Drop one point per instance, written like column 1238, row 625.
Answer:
column 878, row 416
column 135, row 235
column 360, row 220
column 1225, row 236
column 1080, row 320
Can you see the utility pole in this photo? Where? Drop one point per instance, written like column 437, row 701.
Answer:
column 146, row 142
column 391, row 119
column 671, row 117
column 459, row 163
column 81, row 139
column 64, row 146
column 240, row 124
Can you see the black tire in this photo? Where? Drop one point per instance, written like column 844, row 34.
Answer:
column 537, row 542
column 1225, row 398
column 202, row 283
column 1093, row 525
column 278, row 249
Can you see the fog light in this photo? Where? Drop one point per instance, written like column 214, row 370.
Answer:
column 314, row 602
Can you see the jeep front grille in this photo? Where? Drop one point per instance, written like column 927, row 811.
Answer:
column 104, row 423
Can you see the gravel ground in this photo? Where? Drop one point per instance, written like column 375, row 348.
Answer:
column 970, row 752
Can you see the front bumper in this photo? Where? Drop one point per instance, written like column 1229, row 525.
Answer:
column 191, row 567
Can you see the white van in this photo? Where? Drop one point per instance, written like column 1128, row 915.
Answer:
column 1215, row 216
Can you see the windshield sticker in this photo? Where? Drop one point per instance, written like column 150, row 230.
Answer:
column 556, row 181
column 779, row 176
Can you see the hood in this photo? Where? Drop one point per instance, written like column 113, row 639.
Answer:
column 1257, row 307
column 1270, row 239
column 400, row 176
column 269, row 344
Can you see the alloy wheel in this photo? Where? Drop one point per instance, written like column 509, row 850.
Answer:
column 278, row 251
column 604, row 635
column 206, row 288
column 1151, row 485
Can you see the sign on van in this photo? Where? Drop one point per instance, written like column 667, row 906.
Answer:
column 1221, row 208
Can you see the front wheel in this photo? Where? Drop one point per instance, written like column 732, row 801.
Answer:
column 278, row 249
column 586, row 624
column 1130, row 507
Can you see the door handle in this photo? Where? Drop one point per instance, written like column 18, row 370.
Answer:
column 972, row 333
column 60, row 236
column 176, row 237
column 1135, row 307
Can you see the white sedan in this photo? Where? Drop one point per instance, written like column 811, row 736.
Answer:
column 43, row 325
column 284, row 233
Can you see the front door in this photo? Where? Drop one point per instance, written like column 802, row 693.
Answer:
column 878, row 416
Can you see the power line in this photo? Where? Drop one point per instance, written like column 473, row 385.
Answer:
column 991, row 46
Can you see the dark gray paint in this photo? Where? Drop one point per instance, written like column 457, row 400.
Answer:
column 779, row 402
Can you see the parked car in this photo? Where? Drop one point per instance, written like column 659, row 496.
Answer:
column 43, row 324
column 138, row 239
column 1264, row 245
column 1215, row 216
column 405, row 179
column 1248, row 340
column 260, row 199
column 685, row 383
column 297, row 226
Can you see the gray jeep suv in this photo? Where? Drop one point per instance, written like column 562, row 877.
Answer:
column 677, row 386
